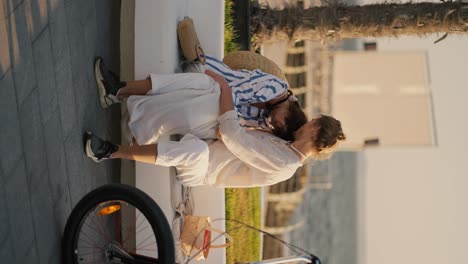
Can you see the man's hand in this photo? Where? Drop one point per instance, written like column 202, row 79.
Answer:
column 225, row 99
column 218, row 134
column 218, row 78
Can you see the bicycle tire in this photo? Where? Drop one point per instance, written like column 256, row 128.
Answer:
column 148, row 207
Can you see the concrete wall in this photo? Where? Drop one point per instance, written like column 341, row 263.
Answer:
column 383, row 95
column 413, row 205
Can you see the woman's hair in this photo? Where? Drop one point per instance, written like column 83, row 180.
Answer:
column 328, row 136
column 295, row 119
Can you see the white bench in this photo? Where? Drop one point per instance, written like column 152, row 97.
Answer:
column 156, row 50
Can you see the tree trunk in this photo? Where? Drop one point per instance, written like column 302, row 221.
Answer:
column 339, row 21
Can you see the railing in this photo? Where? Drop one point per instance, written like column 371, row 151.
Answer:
column 286, row 203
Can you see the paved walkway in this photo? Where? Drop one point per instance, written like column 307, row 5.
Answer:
column 48, row 99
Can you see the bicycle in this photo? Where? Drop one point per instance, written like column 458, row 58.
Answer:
column 118, row 223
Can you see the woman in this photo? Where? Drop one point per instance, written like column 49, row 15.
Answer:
column 242, row 157
column 258, row 97
column 253, row 92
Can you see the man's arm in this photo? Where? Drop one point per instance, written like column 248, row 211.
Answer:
column 256, row 151
column 225, row 99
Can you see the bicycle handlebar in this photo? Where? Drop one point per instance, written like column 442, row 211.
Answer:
column 305, row 258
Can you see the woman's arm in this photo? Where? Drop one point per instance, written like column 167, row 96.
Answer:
column 266, row 87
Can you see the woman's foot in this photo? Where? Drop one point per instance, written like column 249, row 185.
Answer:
column 108, row 83
column 193, row 66
column 98, row 149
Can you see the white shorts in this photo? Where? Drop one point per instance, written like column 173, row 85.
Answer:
column 189, row 156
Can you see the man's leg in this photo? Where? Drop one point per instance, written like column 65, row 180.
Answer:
column 190, row 155
column 145, row 153
column 99, row 149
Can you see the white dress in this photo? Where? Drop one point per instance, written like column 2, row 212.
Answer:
column 177, row 104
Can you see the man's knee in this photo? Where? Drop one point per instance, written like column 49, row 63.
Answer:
column 198, row 152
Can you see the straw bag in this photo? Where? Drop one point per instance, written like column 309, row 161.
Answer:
column 196, row 237
column 189, row 42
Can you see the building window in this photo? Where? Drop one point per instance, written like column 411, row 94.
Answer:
column 370, row 46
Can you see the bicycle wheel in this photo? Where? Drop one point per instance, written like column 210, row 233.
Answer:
column 117, row 224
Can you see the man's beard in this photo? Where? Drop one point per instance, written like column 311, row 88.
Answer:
column 283, row 133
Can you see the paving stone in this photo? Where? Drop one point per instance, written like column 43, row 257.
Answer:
column 29, row 256
column 76, row 171
column 66, row 100
column 53, row 5
column 4, row 218
column 45, row 169
column 10, row 5
column 55, row 258
column 108, row 22
column 7, row 254
column 62, row 209
column 45, row 73
column 88, row 113
column 33, row 138
column 19, row 210
column 47, row 236
column 56, row 160
column 10, row 133
column 78, row 55
column 5, row 60
column 3, row 11
column 63, row 71
column 37, row 15
column 90, row 27
column 21, row 53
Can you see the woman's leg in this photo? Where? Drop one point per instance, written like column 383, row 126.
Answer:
column 139, row 87
column 219, row 67
column 164, row 83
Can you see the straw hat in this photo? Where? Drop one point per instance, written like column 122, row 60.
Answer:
column 247, row 60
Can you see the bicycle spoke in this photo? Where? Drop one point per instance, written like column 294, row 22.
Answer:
column 117, row 226
column 91, row 241
column 101, row 222
column 101, row 231
column 127, row 228
column 146, row 245
column 143, row 241
column 94, row 246
column 92, row 253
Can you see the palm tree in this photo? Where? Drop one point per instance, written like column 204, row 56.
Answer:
column 338, row 21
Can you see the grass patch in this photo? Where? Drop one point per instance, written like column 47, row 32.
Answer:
column 229, row 32
column 243, row 205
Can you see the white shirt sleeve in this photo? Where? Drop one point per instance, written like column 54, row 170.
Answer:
column 256, row 150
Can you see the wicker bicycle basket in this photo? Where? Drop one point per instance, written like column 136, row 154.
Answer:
column 247, row 60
